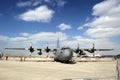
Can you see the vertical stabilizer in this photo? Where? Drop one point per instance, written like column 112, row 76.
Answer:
column 93, row 50
column 78, row 46
column 58, row 44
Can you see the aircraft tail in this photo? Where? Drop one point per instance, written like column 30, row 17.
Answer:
column 58, row 44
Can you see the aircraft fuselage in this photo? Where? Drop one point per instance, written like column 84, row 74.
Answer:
column 63, row 55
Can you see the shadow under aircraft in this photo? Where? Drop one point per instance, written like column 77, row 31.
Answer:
column 63, row 54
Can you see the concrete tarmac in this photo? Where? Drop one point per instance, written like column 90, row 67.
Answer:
column 36, row 70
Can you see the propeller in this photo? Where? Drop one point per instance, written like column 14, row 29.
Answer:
column 47, row 48
column 93, row 50
column 31, row 49
column 79, row 51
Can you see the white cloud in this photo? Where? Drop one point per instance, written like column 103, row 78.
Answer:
column 3, row 38
column 47, row 36
column 61, row 3
column 40, row 14
column 35, row 38
column 64, row 26
column 99, row 43
column 24, row 4
column 100, row 32
column 106, row 22
column 107, row 7
column 24, row 34
column 36, row 3
column 58, row 3
column 80, row 28
column 83, row 40
column 17, row 39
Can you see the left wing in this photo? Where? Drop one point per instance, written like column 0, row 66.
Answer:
column 91, row 50
column 31, row 49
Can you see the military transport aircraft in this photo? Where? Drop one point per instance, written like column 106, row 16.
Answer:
column 63, row 54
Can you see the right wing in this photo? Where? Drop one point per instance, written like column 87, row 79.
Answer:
column 16, row 48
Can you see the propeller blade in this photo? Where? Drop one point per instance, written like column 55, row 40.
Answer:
column 47, row 45
column 47, row 48
column 30, row 43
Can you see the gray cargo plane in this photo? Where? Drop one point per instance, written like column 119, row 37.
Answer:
column 63, row 54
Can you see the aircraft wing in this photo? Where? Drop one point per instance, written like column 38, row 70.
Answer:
column 103, row 49
column 98, row 49
column 92, row 50
column 16, row 48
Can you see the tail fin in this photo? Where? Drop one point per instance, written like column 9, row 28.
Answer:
column 58, row 45
column 78, row 46
column 93, row 50
column 93, row 46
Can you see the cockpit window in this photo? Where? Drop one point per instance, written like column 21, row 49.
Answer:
column 65, row 48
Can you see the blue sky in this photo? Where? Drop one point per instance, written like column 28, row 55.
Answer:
column 73, row 21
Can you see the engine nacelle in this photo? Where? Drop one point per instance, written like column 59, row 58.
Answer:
column 40, row 53
column 77, row 51
column 31, row 49
column 82, row 53
column 47, row 49
column 91, row 50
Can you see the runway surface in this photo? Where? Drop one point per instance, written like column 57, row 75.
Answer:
column 36, row 70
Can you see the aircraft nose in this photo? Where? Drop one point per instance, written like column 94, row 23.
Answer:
column 67, row 53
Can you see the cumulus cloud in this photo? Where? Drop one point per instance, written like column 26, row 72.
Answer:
column 80, row 28
column 40, row 14
column 57, row 3
column 24, row 34
column 35, row 38
column 47, row 36
column 106, row 22
column 36, row 3
column 83, row 41
column 17, row 39
column 100, row 32
column 28, row 3
column 3, row 38
column 24, row 4
column 61, row 2
column 107, row 7
column 64, row 26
